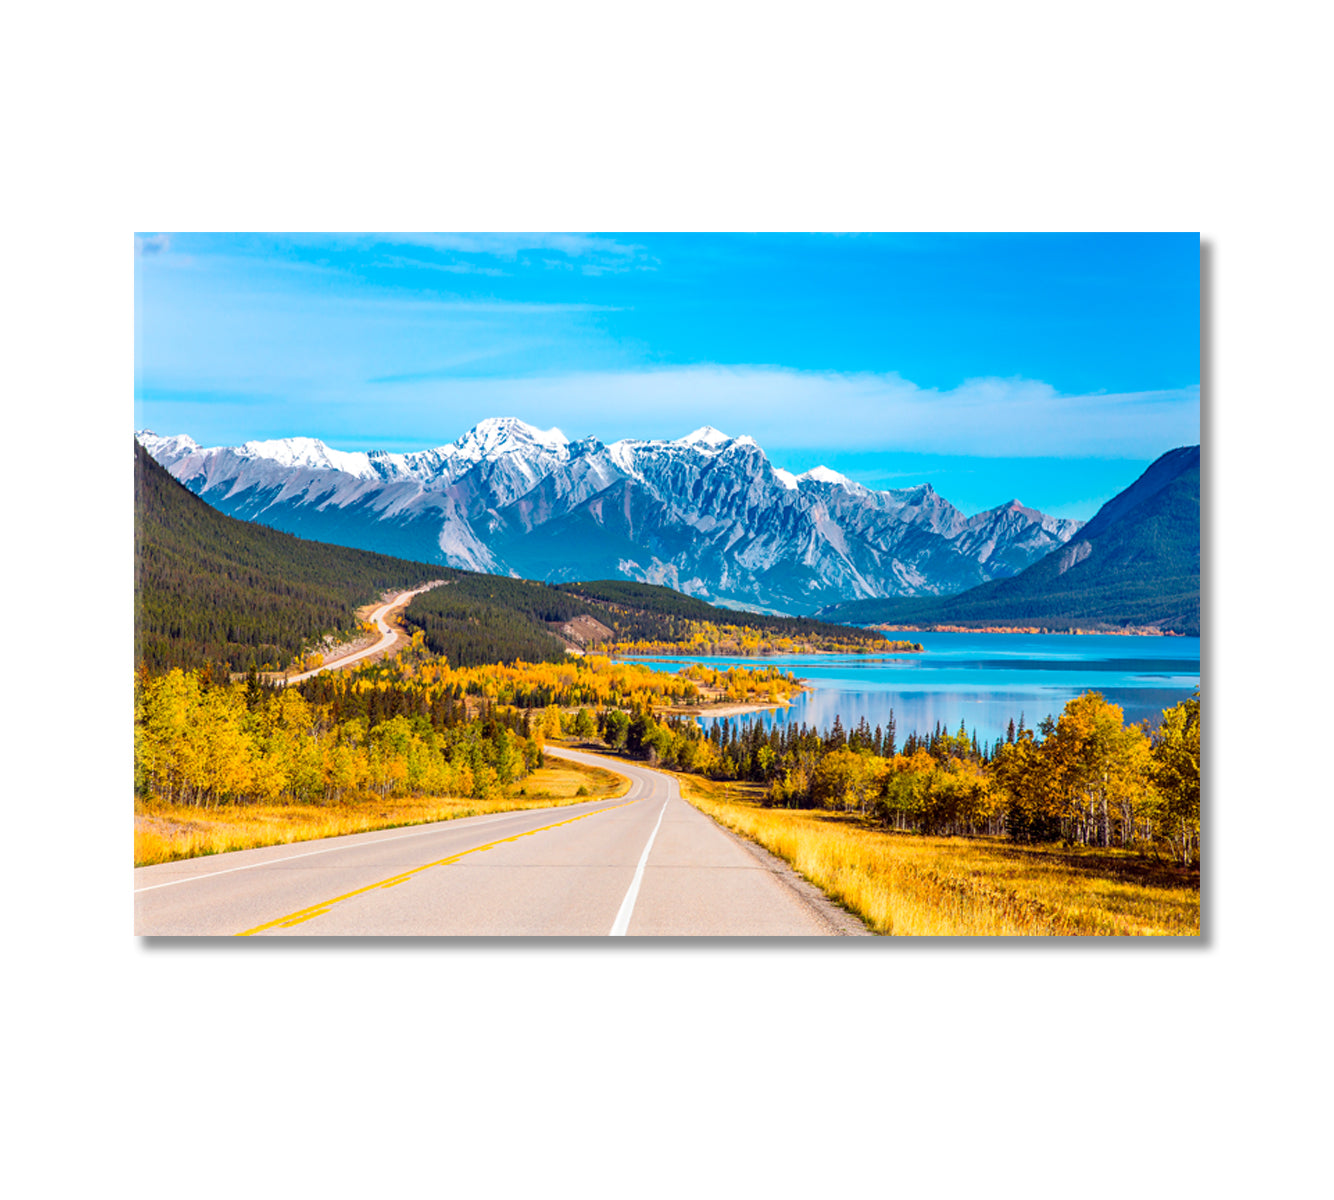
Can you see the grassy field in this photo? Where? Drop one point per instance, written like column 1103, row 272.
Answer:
column 165, row 833
column 931, row 886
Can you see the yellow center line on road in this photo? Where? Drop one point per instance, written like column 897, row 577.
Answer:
column 318, row 910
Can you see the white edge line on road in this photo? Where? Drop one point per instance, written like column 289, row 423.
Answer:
column 628, row 904
column 268, row 862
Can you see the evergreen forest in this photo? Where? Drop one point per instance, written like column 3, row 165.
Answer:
column 213, row 590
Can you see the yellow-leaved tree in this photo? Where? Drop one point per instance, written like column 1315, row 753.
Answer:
column 1101, row 771
column 1176, row 773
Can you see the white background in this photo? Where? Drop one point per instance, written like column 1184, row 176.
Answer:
column 938, row 1069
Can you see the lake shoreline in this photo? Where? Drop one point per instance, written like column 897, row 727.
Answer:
column 987, row 680
column 730, row 710
column 1137, row 631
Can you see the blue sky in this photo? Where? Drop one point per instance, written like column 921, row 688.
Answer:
column 1051, row 368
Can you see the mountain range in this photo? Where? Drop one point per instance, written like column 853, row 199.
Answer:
column 1136, row 563
column 706, row 514
column 209, row 589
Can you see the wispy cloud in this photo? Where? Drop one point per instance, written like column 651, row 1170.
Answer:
column 456, row 267
column 509, row 245
column 389, row 304
column 457, row 364
column 782, row 408
column 203, row 397
column 589, row 253
column 151, row 243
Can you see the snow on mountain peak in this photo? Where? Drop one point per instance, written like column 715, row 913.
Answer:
column 311, row 453
column 706, row 435
column 823, row 474
column 177, row 444
column 786, row 478
column 501, row 435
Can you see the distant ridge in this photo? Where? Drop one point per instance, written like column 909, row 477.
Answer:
column 1135, row 564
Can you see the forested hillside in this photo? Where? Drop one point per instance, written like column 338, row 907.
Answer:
column 646, row 612
column 1137, row 563
column 213, row 590
column 476, row 619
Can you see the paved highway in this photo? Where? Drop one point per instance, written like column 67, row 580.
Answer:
column 645, row 864
column 388, row 635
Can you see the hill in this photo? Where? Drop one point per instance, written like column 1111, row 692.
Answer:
column 1135, row 564
column 648, row 612
column 211, row 589
column 478, row 618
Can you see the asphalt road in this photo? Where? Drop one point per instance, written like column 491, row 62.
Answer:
column 388, row 635
column 645, row 864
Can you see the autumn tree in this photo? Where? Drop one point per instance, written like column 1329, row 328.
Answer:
column 1176, row 772
column 1101, row 770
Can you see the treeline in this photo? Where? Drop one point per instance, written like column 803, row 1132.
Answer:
column 213, row 590
column 202, row 742
column 1085, row 778
column 477, row 619
column 645, row 612
column 591, row 680
column 711, row 639
column 1169, row 604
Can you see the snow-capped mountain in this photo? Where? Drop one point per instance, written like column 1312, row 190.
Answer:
column 707, row 514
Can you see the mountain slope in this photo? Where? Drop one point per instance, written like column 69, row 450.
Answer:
column 210, row 589
column 1136, row 563
column 706, row 514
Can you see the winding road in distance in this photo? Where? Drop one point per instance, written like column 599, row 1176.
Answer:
column 388, row 634
column 645, row 864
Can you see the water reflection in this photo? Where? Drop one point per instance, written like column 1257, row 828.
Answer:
column 985, row 680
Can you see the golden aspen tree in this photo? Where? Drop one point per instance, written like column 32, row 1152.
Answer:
column 1176, row 773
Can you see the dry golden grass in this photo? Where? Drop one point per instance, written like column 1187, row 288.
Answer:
column 164, row 833
column 929, row 886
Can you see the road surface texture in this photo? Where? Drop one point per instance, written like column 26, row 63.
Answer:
column 645, row 864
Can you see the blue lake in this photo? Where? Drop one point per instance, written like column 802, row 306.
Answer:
column 984, row 679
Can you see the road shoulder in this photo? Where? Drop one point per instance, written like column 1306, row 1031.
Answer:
column 840, row 922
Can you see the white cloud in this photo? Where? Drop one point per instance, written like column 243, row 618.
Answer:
column 603, row 255
column 151, row 243
column 782, row 408
column 457, row 268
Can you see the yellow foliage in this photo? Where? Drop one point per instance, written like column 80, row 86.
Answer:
column 165, row 833
column 932, row 886
column 710, row 638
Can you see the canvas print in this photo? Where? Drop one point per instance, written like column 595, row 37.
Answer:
column 678, row 585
